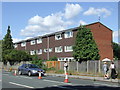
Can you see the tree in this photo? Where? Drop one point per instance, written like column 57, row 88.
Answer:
column 0, row 50
column 7, row 45
column 85, row 47
column 7, row 41
column 116, row 50
column 15, row 56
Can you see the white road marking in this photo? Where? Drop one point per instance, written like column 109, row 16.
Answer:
column 106, row 84
column 0, row 80
column 21, row 85
column 57, row 82
column 25, row 77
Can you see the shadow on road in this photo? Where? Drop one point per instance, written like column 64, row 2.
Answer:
column 78, row 87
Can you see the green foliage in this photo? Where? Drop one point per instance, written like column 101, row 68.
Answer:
column 53, row 58
column 116, row 51
column 37, row 61
column 7, row 41
column 0, row 50
column 85, row 47
column 13, row 56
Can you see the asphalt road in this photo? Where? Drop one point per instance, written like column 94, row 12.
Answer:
column 9, row 81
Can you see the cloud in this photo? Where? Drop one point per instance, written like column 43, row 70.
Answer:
column 48, row 24
column 38, row 25
column 99, row 11
column 115, row 36
column 16, row 40
column 82, row 22
column 72, row 10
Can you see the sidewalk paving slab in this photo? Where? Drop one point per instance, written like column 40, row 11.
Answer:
column 85, row 77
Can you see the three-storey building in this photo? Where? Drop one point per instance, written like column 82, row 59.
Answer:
column 60, row 43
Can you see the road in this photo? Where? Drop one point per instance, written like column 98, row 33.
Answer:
column 52, row 82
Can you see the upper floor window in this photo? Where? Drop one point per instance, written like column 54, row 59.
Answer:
column 50, row 49
column 15, row 46
column 39, row 51
column 58, row 49
column 23, row 44
column 45, row 50
column 32, row 42
column 39, row 40
column 68, row 48
column 32, row 52
column 68, row 34
column 58, row 36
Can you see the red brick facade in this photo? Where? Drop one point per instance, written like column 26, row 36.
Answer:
column 102, row 36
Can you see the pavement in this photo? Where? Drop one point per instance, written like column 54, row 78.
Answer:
column 86, row 77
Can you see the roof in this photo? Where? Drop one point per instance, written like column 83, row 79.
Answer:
column 47, row 35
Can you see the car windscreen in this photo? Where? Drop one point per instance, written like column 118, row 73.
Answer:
column 33, row 66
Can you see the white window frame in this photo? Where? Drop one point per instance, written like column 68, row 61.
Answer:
column 39, row 51
column 68, row 48
column 23, row 44
column 50, row 49
column 39, row 40
column 32, row 42
column 45, row 50
column 66, row 35
column 56, row 36
column 32, row 52
column 58, row 49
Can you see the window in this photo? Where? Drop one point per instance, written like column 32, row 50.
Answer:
column 39, row 40
column 58, row 49
column 68, row 48
column 15, row 46
column 23, row 44
column 68, row 34
column 50, row 49
column 45, row 50
column 39, row 51
column 32, row 52
column 32, row 42
column 58, row 36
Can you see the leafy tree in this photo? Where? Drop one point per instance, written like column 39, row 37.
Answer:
column 15, row 56
column 53, row 58
column 7, row 45
column 37, row 61
column 85, row 47
column 7, row 41
column 116, row 50
column 0, row 50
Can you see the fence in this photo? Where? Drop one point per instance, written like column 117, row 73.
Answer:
column 90, row 66
column 84, row 67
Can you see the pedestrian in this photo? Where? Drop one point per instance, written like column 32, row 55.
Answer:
column 105, row 69
column 65, row 67
column 113, row 71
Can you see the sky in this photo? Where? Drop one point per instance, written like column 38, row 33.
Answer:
column 31, row 19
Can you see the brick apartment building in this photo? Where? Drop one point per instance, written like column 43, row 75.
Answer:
column 60, row 43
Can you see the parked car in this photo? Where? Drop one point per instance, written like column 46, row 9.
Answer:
column 30, row 69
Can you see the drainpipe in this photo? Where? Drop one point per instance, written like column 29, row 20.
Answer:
column 48, row 48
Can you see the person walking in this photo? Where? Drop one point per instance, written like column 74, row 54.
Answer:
column 113, row 71
column 105, row 69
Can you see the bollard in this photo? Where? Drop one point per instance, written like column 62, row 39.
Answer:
column 66, row 78
column 40, row 76
column 15, row 73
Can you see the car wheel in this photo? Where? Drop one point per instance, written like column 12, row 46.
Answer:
column 29, row 73
column 19, row 72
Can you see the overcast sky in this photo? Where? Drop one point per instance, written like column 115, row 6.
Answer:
column 31, row 19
